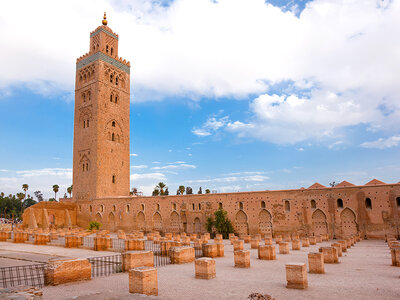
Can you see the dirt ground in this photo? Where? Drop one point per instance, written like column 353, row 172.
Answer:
column 364, row 272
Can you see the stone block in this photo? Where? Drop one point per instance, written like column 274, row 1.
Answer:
column 247, row 239
column 205, row 268
column 338, row 246
column 318, row 238
column 305, row 242
column 218, row 241
column 220, row 250
column 296, row 245
column 233, row 239
column 185, row 241
column 210, row 250
column 134, row 259
column 143, row 280
column 395, row 252
column 287, row 238
column 278, row 239
column 182, row 255
column 330, row 255
column 348, row 243
column 296, row 276
column 266, row 252
column 344, row 245
column 238, row 245
column 242, row 258
column 268, row 241
column 219, row 236
column 283, row 248
column 168, row 236
column 67, row 270
column 313, row 240
column 165, row 246
column 193, row 236
column 254, row 243
column 316, row 263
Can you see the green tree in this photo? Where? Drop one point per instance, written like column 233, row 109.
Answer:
column 69, row 191
column 38, row 195
column 200, row 191
column 181, row 189
column 207, row 191
column 52, row 200
column 210, row 224
column 29, row 202
column 20, row 196
column 156, row 192
column 222, row 224
column 25, row 187
column 56, row 188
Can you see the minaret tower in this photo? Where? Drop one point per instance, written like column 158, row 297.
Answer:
column 101, row 122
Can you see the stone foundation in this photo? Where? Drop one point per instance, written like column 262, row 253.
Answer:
column 67, row 270
column 330, row 255
column 205, row 268
column 238, row 245
column 242, row 258
column 134, row 259
column 182, row 255
column 143, row 280
column 296, row 245
column 296, row 276
column 316, row 263
column 283, row 248
column 266, row 252
column 210, row 250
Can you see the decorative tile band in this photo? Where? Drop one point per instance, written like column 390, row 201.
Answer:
column 105, row 31
column 105, row 58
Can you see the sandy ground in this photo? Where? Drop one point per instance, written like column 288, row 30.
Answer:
column 364, row 272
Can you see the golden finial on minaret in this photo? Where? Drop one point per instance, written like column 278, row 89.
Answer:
column 104, row 19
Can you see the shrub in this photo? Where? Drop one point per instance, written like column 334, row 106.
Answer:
column 95, row 225
column 221, row 223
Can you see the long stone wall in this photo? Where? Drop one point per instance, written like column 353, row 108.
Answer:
column 338, row 211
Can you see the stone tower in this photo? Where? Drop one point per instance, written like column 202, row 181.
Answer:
column 101, row 121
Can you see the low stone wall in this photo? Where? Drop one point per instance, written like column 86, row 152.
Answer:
column 67, row 270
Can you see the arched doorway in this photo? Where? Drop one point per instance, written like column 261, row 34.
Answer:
column 52, row 219
column 319, row 224
column 111, row 221
column 264, row 223
column 98, row 218
column 349, row 225
column 174, row 222
column 157, row 222
column 241, row 225
column 197, row 226
column 141, row 221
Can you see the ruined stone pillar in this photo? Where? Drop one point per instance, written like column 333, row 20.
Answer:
column 296, row 276
column 316, row 262
column 296, row 245
column 238, row 245
column 143, row 280
column 268, row 241
column 242, row 258
column 205, row 268
column 278, row 239
column 313, row 240
column 330, row 255
column 247, row 239
column 319, row 239
column 283, row 248
column 266, row 252
column 67, row 270
column 134, row 259
column 305, row 242
column 344, row 245
column 210, row 250
column 220, row 250
column 182, row 255
column 338, row 246
column 255, row 243
column 395, row 252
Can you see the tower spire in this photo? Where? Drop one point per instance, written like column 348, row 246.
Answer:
column 104, row 22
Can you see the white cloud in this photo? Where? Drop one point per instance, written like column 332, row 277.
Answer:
column 134, row 154
column 230, row 179
column 155, row 162
column 146, row 176
column 3, row 170
column 145, row 182
column 179, row 166
column 139, row 167
column 342, row 55
column 38, row 179
column 210, row 126
column 382, row 143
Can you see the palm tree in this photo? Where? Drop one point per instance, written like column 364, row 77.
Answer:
column 25, row 187
column 160, row 187
column 181, row 189
column 69, row 191
column 21, row 197
column 55, row 190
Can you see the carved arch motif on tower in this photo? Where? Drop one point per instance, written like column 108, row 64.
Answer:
column 114, row 132
column 114, row 77
column 86, row 74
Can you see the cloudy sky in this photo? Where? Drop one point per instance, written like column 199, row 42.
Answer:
column 230, row 95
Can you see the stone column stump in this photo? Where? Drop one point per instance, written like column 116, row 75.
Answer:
column 338, row 246
column 305, row 242
column 242, row 258
column 220, row 250
column 254, row 243
column 210, row 250
column 205, row 268
column 316, row 263
column 344, row 245
column 313, row 240
column 278, row 239
column 296, row 245
column 266, row 252
column 134, row 259
column 268, row 241
column 296, row 276
column 247, row 239
column 395, row 252
column 330, row 255
column 283, row 248
column 143, row 280
column 238, row 245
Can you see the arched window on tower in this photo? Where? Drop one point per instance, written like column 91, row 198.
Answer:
column 398, row 202
column 313, row 204
column 142, row 206
column 89, row 95
column 220, row 205
column 87, row 123
column 128, row 208
column 106, row 48
column 113, row 137
column 113, row 124
column 111, row 78
column 262, row 204
column 116, row 80
column 199, row 206
column 112, row 51
column 111, row 98
column 368, row 203
column 158, row 206
column 84, row 97
column 113, row 179
column 84, row 123
column 287, row 206
column 174, row 206
column 87, row 167
column 339, row 203
column 193, row 206
column 83, row 167
column 116, row 99
column 240, row 205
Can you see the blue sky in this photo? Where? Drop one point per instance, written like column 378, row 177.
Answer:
column 227, row 95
